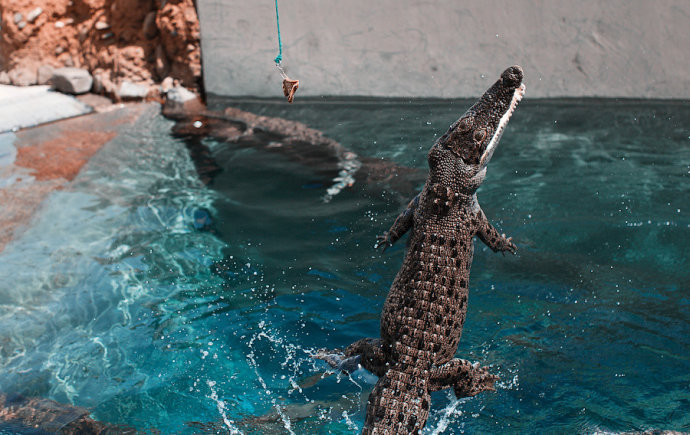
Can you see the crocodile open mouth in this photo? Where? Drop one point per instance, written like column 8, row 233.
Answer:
column 517, row 96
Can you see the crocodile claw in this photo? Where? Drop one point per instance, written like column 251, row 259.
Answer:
column 480, row 380
column 338, row 360
column 333, row 357
column 383, row 241
column 510, row 246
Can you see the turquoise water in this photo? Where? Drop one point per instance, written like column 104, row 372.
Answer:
column 116, row 301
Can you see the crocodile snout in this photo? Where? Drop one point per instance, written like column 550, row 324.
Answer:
column 512, row 76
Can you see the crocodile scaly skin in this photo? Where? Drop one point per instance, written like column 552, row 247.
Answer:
column 425, row 310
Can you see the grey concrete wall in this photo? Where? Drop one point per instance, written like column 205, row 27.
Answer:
column 448, row 48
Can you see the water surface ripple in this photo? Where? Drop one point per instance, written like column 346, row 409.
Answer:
column 162, row 303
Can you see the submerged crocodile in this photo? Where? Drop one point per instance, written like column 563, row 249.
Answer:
column 425, row 310
column 35, row 415
column 294, row 141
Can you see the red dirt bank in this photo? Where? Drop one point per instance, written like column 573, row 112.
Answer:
column 143, row 41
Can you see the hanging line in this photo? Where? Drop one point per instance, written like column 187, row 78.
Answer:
column 279, row 58
column 282, row 71
column 289, row 86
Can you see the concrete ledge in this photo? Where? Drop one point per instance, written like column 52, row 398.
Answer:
column 447, row 48
column 22, row 107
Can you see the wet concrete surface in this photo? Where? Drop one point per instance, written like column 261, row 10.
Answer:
column 37, row 161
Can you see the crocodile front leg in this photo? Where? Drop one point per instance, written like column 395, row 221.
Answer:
column 367, row 352
column 491, row 237
column 371, row 352
column 401, row 225
column 465, row 378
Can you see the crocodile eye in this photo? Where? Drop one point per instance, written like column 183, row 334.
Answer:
column 479, row 135
column 465, row 124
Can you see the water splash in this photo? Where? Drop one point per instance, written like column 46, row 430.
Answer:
column 221, row 406
column 447, row 414
column 115, row 303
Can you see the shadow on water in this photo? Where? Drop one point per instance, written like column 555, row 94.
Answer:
column 182, row 281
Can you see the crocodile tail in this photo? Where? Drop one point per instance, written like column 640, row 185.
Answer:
column 399, row 403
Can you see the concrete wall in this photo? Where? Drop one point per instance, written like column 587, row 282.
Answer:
column 448, row 48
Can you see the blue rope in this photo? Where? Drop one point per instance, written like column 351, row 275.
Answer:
column 280, row 44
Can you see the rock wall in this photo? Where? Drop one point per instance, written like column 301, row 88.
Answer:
column 449, row 48
column 141, row 41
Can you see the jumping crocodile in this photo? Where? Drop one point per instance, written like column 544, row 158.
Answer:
column 425, row 310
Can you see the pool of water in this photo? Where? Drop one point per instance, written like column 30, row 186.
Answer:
column 162, row 303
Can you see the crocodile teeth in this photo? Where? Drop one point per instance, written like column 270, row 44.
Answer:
column 517, row 96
